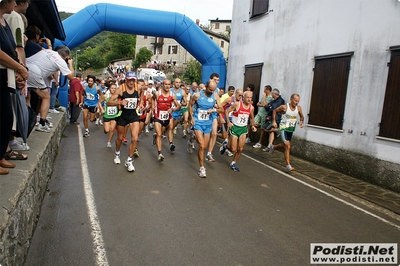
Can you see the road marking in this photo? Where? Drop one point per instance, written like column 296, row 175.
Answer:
column 98, row 243
column 324, row 192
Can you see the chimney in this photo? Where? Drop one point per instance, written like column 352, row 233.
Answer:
column 198, row 22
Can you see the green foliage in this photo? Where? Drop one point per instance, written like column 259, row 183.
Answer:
column 192, row 72
column 143, row 56
column 99, row 50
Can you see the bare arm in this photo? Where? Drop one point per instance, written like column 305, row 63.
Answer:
column 301, row 116
column 280, row 109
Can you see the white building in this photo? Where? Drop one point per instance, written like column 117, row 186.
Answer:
column 343, row 58
column 168, row 51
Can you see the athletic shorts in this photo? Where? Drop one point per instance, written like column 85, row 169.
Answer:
column 183, row 110
column 164, row 123
column 142, row 120
column 238, row 131
column 286, row 136
column 206, row 129
column 105, row 119
column 176, row 115
column 127, row 117
column 92, row 109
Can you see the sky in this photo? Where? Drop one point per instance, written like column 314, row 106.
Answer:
column 194, row 9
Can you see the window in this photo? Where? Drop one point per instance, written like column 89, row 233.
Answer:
column 222, row 44
column 390, row 122
column 259, row 7
column 158, row 50
column 329, row 89
column 228, row 28
column 145, row 37
column 173, row 49
column 217, row 25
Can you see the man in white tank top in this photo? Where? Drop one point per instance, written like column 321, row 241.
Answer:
column 291, row 111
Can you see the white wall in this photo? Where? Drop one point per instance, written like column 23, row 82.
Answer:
column 287, row 39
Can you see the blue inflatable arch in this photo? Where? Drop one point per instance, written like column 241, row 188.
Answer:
column 99, row 17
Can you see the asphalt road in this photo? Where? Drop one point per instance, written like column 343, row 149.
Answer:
column 97, row 213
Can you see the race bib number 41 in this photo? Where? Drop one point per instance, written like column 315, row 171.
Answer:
column 203, row 115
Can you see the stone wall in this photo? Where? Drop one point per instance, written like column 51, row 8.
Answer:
column 22, row 193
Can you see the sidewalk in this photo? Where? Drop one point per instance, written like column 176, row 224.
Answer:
column 382, row 197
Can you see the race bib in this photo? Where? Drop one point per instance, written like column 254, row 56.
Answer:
column 242, row 120
column 90, row 96
column 163, row 115
column 112, row 110
column 203, row 115
column 131, row 104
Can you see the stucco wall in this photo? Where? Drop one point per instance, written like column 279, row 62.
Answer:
column 286, row 41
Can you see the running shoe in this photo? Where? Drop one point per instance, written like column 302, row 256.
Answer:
column 289, row 167
column 234, row 167
column 271, row 149
column 125, row 141
column 41, row 128
column 117, row 160
column 174, row 131
column 257, row 145
column 184, row 134
column 161, row 157
column 171, row 147
column 48, row 123
column 136, row 153
column 229, row 153
column 97, row 122
column 108, row 144
column 163, row 136
column 129, row 165
column 222, row 149
column 189, row 146
column 154, row 139
column 248, row 140
column 210, row 158
column 100, row 122
column 53, row 111
column 146, row 130
column 86, row 134
column 202, row 172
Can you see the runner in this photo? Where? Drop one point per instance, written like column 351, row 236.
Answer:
column 90, row 103
column 110, row 114
column 243, row 111
column 162, row 106
column 144, row 107
column 129, row 104
column 201, row 107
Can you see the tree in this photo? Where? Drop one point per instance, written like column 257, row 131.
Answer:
column 192, row 72
column 143, row 56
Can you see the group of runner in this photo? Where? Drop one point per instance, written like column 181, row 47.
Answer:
column 201, row 111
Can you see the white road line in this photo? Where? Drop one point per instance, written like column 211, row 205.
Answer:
column 98, row 243
column 324, row 192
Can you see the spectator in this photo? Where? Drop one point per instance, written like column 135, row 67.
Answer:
column 42, row 66
column 268, row 126
column 10, row 72
column 260, row 118
column 75, row 98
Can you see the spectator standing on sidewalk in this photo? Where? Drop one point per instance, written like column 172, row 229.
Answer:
column 290, row 112
column 75, row 98
column 261, row 116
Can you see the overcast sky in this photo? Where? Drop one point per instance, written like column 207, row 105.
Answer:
column 194, row 9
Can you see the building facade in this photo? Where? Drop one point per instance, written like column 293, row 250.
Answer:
column 168, row 52
column 343, row 59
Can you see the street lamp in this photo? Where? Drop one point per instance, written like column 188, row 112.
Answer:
column 76, row 60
